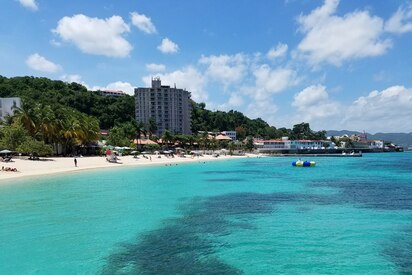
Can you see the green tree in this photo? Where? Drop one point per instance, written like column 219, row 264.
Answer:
column 249, row 144
column 31, row 145
column 152, row 126
column 240, row 133
column 12, row 136
column 151, row 147
column 232, row 147
column 26, row 117
column 167, row 138
column 117, row 137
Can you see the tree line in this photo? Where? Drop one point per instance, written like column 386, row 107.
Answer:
column 56, row 112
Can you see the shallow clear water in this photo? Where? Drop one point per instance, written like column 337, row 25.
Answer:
column 242, row 216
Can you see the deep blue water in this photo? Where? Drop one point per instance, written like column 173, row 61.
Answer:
column 242, row 216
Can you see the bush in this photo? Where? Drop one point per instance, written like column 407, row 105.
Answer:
column 35, row 147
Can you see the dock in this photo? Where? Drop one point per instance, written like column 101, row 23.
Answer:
column 317, row 155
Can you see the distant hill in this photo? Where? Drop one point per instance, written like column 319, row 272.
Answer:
column 401, row 139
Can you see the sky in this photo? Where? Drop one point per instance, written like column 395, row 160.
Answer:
column 334, row 64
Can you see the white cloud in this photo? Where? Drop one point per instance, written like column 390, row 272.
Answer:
column 143, row 23
column 30, row 4
column 125, row 87
column 333, row 39
column 269, row 81
column 225, row 68
column 235, row 100
column 266, row 109
column 389, row 110
column 70, row 78
column 400, row 22
column 314, row 106
column 188, row 78
column 94, row 35
column 313, row 102
column 39, row 63
column 277, row 52
column 310, row 96
column 152, row 67
column 168, row 46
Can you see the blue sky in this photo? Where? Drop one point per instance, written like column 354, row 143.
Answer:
column 335, row 64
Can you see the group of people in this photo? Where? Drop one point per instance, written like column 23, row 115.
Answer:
column 8, row 169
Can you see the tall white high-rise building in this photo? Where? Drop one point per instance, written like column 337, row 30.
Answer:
column 7, row 106
column 169, row 107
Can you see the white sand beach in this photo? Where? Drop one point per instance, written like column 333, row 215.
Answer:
column 46, row 166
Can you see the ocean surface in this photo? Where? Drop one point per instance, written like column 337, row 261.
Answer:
column 240, row 216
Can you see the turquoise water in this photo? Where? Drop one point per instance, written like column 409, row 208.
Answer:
column 241, row 216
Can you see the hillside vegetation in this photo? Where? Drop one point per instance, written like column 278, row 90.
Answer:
column 55, row 93
column 111, row 111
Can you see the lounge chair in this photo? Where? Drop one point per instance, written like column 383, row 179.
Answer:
column 6, row 159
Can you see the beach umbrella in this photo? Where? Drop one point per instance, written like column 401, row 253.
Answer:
column 5, row 151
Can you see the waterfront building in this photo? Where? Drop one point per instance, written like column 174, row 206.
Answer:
column 286, row 145
column 7, row 106
column 169, row 107
column 377, row 145
column 231, row 134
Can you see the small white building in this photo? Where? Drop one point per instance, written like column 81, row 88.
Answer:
column 286, row 144
column 7, row 106
column 376, row 144
column 231, row 134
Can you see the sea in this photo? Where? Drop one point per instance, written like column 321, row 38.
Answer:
column 256, row 215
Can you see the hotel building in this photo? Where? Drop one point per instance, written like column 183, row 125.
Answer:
column 7, row 106
column 169, row 107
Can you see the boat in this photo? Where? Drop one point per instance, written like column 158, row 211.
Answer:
column 301, row 163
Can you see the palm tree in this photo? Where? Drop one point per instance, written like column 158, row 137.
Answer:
column 151, row 126
column 140, row 130
column 7, row 120
column 167, row 137
column 46, row 123
column 232, row 147
column 90, row 130
column 70, row 131
column 204, row 140
column 27, row 118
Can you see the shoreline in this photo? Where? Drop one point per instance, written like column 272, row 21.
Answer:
column 60, row 165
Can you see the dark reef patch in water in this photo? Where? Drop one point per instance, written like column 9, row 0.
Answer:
column 174, row 249
column 185, row 245
column 370, row 193
column 399, row 251
column 403, row 166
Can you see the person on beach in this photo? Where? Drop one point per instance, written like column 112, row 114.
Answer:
column 75, row 162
